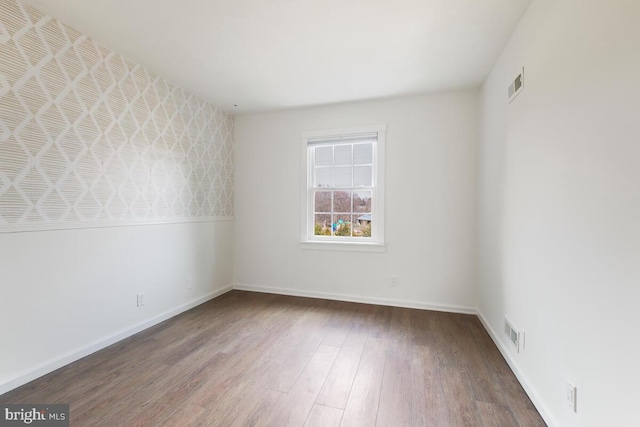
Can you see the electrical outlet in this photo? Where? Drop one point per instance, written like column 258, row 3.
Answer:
column 140, row 299
column 572, row 397
column 394, row 280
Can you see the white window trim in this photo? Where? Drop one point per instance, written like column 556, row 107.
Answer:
column 308, row 239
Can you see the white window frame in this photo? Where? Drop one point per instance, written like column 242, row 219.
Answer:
column 308, row 238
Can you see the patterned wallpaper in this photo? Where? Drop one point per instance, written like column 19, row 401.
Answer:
column 88, row 138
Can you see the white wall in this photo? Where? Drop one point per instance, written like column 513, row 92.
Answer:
column 430, row 172
column 559, row 206
column 67, row 293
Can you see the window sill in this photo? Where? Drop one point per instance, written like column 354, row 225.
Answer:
column 343, row 246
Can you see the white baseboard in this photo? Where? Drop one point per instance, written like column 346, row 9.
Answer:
column 355, row 298
column 537, row 401
column 77, row 354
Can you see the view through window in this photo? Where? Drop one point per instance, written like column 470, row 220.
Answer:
column 343, row 189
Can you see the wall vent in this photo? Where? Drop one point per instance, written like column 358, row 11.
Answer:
column 513, row 334
column 516, row 86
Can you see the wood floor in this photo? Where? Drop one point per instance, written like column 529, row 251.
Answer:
column 247, row 359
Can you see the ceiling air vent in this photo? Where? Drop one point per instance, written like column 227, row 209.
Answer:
column 516, row 86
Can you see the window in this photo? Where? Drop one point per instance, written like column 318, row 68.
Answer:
column 344, row 197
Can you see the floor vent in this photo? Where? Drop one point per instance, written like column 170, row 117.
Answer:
column 513, row 334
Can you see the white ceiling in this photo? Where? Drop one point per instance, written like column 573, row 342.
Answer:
column 273, row 54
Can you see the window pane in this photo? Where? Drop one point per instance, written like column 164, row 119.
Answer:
column 324, row 156
column 322, row 225
column 362, row 176
column 362, row 225
column 362, row 201
column 343, row 176
column 323, row 201
column 343, row 154
column 363, row 154
column 342, row 201
column 342, row 224
column 324, row 177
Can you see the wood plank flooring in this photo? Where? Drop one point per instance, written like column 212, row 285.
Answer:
column 252, row 359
